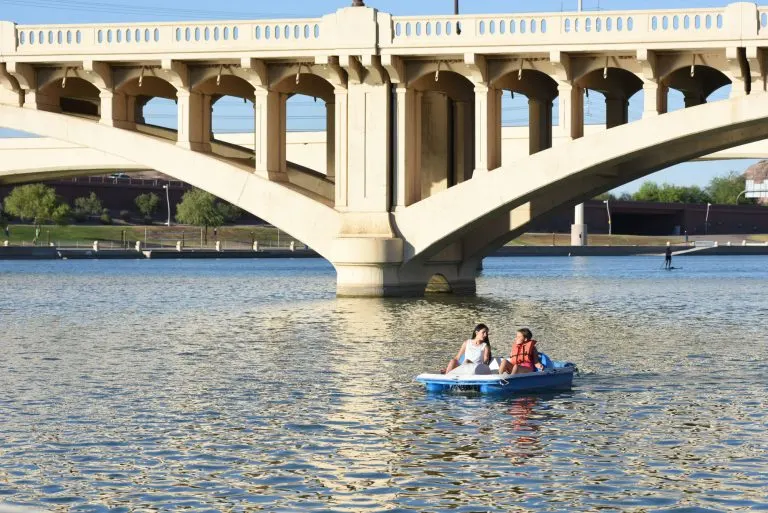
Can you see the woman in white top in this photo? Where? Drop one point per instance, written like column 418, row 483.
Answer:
column 475, row 350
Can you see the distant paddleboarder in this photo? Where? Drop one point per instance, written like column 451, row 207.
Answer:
column 668, row 257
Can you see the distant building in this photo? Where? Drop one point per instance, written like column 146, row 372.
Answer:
column 758, row 175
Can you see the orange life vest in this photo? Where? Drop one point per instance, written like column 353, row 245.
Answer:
column 524, row 354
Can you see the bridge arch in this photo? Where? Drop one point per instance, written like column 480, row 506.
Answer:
column 310, row 220
column 696, row 83
column 74, row 95
column 572, row 173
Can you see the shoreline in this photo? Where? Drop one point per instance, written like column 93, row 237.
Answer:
column 54, row 253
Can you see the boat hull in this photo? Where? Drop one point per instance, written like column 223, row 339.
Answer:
column 494, row 384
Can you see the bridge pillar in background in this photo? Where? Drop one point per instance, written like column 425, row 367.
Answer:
column 463, row 139
column 330, row 140
column 436, row 134
column 406, row 184
column 114, row 109
column 269, row 124
column 539, row 125
column 194, row 120
column 572, row 122
column 487, row 128
column 616, row 111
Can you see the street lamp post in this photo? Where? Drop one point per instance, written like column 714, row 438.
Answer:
column 608, row 209
column 706, row 219
column 168, row 204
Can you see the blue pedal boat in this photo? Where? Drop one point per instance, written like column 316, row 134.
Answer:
column 480, row 378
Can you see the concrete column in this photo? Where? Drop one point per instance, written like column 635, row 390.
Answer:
column 654, row 98
column 463, row 157
column 269, row 134
column 341, row 143
column 692, row 99
column 435, row 140
column 194, row 120
column 487, row 128
column 33, row 99
column 571, row 112
column 135, row 109
column 113, row 109
column 330, row 140
column 368, row 155
column 539, row 125
column 407, row 187
column 617, row 112
column 572, row 123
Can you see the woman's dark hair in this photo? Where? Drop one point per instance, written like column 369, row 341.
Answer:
column 527, row 335
column 480, row 327
column 487, row 340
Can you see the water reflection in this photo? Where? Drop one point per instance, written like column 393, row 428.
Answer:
column 226, row 386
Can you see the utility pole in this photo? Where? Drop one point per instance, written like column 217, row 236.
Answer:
column 456, row 12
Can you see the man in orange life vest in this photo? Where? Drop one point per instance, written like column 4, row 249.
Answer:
column 524, row 357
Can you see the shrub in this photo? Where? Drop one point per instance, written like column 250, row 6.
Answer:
column 105, row 217
column 125, row 215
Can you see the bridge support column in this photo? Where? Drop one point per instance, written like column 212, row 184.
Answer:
column 436, row 135
column 330, row 140
column 654, row 98
column 694, row 98
column 616, row 111
column 114, row 109
column 540, row 125
column 572, row 123
column 194, row 120
column 406, row 184
column 463, row 156
column 269, row 134
column 487, row 128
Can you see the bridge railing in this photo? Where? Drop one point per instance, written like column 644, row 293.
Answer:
column 169, row 37
column 543, row 28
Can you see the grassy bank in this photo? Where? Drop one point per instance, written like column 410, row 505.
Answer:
column 242, row 236
column 152, row 235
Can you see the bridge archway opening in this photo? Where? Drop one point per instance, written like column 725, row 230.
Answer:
column 159, row 116
column 694, row 85
column 308, row 104
column 438, row 284
column 73, row 96
column 151, row 105
column 230, row 100
column 608, row 92
column 529, row 103
column 445, row 133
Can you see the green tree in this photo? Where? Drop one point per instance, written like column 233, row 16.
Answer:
column 38, row 203
column 725, row 189
column 199, row 208
column 649, row 191
column 229, row 211
column 668, row 193
column 87, row 206
column 605, row 196
column 147, row 204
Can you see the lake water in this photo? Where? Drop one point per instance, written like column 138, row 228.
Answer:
column 246, row 385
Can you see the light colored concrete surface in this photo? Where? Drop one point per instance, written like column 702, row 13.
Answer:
column 418, row 180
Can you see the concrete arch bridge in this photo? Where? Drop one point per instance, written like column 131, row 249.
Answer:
column 414, row 185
